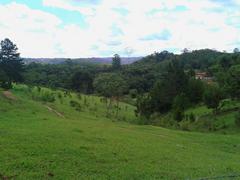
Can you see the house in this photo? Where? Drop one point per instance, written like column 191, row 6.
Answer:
column 204, row 77
column 200, row 75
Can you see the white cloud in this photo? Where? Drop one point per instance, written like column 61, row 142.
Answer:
column 42, row 34
column 32, row 30
column 64, row 4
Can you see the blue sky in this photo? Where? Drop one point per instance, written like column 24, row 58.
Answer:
column 90, row 28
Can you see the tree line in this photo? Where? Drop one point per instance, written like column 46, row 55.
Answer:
column 159, row 83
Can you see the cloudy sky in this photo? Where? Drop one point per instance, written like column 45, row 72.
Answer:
column 90, row 28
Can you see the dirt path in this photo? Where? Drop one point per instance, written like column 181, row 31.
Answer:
column 9, row 95
column 56, row 112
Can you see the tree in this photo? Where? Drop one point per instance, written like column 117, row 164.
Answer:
column 172, row 82
column 225, row 62
column 4, row 80
column 180, row 104
column 191, row 73
column 161, row 96
column 185, row 50
column 111, row 85
column 195, row 90
column 233, row 80
column 10, row 62
column 236, row 50
column 212, row 98
column 116, row 62
column 144, row 106
column 82, row 82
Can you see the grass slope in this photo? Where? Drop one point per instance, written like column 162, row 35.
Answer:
column 36, row 143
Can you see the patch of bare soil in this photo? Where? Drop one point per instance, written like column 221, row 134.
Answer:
column 54, row 111
column 2, row 177
column 9, row 95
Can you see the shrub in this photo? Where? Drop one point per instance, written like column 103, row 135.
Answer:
column 185, row 125
column 79, row 96
column 48, row 96
column 76, row 105
column 59, row 95
column 178, row 114
column 192, row 117
column 6, row 85
column 133, row 93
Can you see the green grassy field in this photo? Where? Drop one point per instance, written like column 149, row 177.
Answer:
column 54, row 141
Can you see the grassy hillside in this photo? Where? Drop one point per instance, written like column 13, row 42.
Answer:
column 55, row 141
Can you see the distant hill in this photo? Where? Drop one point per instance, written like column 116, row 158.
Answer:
column 96, row 60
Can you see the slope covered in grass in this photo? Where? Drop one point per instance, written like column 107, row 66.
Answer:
column 37, row 143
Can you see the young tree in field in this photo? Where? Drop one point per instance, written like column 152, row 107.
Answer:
column 116, row 62
column 110, row 85
column 10, row 63
column 144, row 106
column 212, row 98
column 180, row 104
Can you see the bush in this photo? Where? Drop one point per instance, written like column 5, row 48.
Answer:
column 43, row 95
column 76, row 105
column 48, row 97
column 192, row 117
column 6, row 85
column 79, row 96
column 178, row 114
column 133, row 93
column 185, row 125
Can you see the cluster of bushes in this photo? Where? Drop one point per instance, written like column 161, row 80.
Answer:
column 42, row 94
column 76, row 105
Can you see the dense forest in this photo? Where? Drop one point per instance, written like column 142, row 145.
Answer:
column 159, row 84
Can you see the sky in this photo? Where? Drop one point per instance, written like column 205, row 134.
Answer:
column 101, row 28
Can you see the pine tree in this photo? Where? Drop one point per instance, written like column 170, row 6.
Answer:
column 10, row 63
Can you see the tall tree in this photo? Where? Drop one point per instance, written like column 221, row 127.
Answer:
column 111, row 85
column 10, row 62
column 82, row 82
column 212, row 98
column 233, row 81
column 116, row 62
column 236, row 50
column 180, row 104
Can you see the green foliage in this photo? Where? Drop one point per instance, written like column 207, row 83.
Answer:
column 212, row 97
column 133, row 93
column 192, row 117
column 11, row 65
column 144, row 107
column 43, row 94
column 110, row 85
column 173, row 82
column 82, row 82
column 185, row 125
column 195, row 90
column 180, row 104
column 76, row 105
column 116, row 62
column 234, row 81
